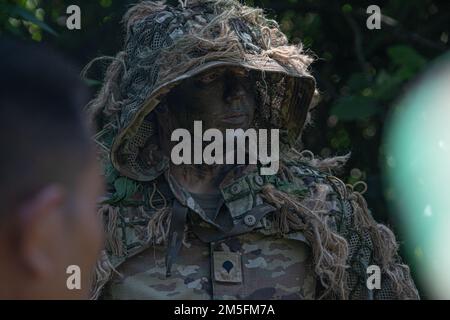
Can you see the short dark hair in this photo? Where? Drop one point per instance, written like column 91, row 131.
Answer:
column 43, row 135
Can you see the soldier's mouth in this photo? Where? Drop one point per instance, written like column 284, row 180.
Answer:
column 235, row 118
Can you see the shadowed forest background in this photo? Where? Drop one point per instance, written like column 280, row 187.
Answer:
column 361, row 73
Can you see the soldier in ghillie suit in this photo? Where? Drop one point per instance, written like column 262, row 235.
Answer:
column 225, row 231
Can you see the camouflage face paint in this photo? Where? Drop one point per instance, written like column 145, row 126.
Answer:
column 223, row 98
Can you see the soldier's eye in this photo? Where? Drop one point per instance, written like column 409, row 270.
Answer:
column 242, row 73
column 208, row 78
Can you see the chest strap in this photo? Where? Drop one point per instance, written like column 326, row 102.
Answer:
column 176, row 233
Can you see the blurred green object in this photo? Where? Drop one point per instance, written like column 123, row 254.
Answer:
column 418, row 168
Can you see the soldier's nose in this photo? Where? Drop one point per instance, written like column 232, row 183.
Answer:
column 235, row 90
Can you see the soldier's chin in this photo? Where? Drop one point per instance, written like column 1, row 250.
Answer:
column 244, row 125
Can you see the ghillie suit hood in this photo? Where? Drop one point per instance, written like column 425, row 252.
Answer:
column 166, row 45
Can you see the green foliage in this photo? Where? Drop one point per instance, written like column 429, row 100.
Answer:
column 354, row 107
column 367, row 93
column 124, row 190
column 15, row 16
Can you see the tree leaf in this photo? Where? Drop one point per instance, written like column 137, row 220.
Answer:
column 406, row 57
column 26, row 15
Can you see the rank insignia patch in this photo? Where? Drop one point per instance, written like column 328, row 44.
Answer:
column 227, row 267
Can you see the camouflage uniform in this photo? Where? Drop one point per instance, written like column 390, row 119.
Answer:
column 301, row 234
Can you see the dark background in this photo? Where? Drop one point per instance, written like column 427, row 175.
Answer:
column 361, row 73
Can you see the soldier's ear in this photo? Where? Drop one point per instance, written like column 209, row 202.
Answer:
column 40, row 228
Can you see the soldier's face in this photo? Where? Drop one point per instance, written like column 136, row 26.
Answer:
column 222, row 98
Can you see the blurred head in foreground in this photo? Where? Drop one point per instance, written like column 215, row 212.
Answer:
column 49, row 180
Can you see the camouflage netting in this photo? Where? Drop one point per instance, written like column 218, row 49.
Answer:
column 343, row 247
column 165, row 45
